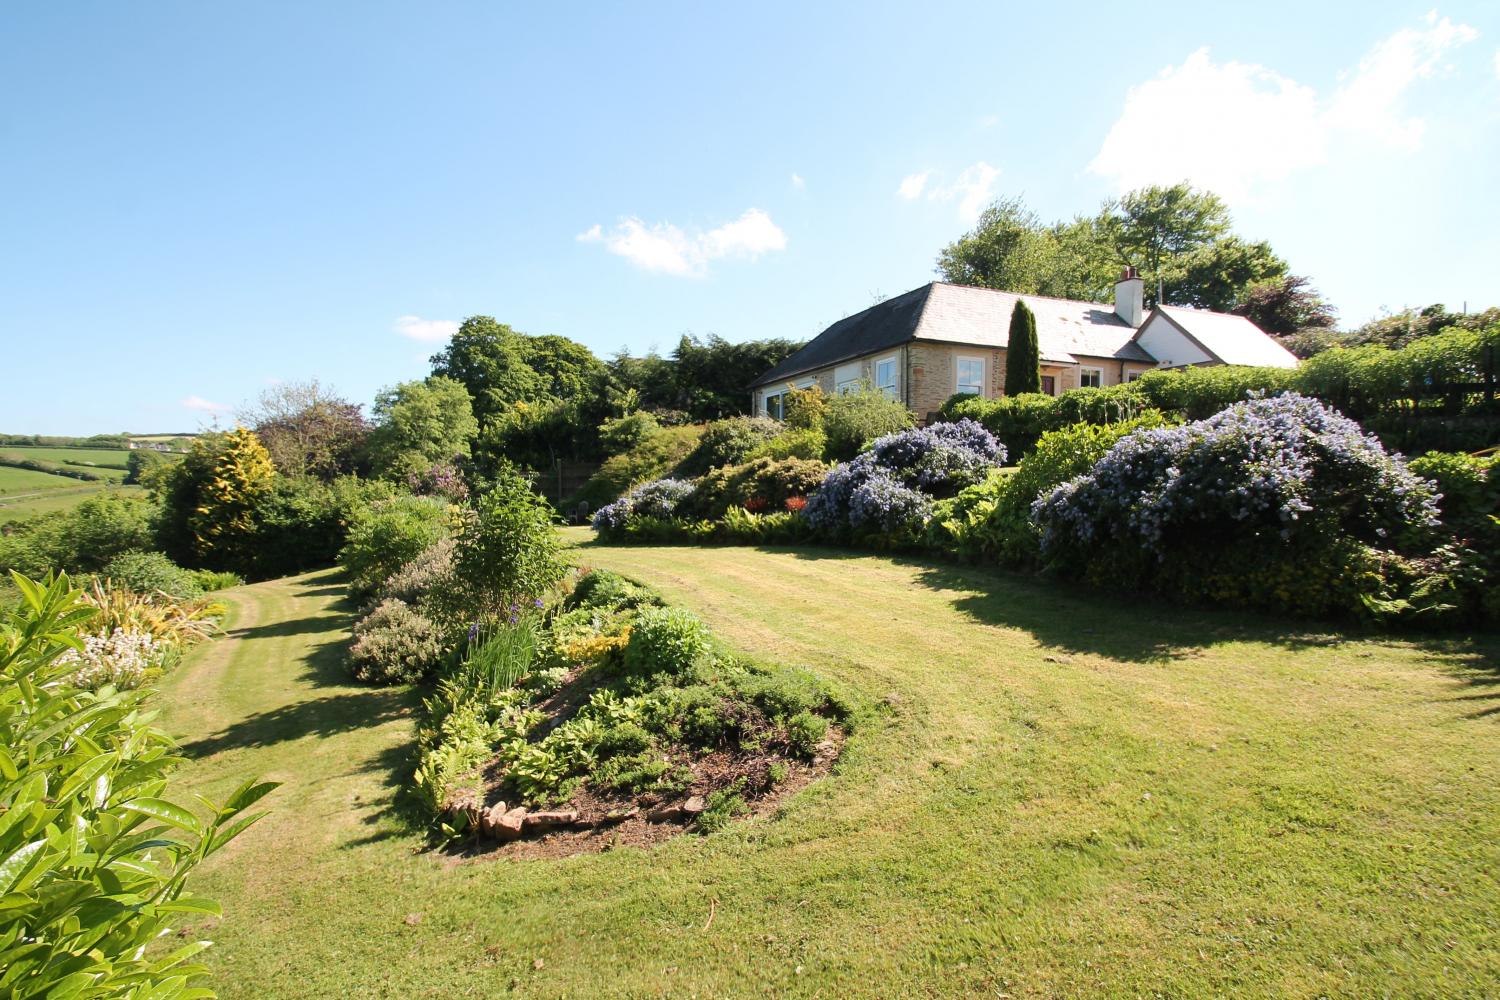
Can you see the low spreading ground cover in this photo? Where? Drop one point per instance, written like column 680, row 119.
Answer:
column 1069, row 793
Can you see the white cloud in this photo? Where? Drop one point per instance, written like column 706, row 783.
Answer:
column 912, row 185
column 204, row 405
column 1371, row 99
column 418, row 328
column 666, row 248
column 1210, row 123
column 974, row 189
column 798, row 182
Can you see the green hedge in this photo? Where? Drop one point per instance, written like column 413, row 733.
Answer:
column 1402, row 395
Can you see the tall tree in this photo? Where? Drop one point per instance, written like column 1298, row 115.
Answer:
column 1179, row 238
column 1286, row 305
column 501, row 367
column 1023, row 355
column 420, row 424
column 307, row 428
column 1154, row 226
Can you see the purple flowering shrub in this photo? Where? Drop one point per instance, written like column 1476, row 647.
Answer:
column 658, row 499
column 1273, row 501
column 890, row 487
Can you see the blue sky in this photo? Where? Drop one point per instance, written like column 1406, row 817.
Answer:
column 203, row 199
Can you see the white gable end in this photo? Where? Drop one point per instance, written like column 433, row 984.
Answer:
column 1168, row 345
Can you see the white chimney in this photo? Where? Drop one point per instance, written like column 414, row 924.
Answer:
column 1130, row 296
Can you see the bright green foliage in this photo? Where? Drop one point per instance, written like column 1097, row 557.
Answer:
column 209, row 499
column 148, row 572
column 602, row 589
column 507, row 554
column 653, row 457
column 762, row 486
column 143, row 466
column 500, row 367
column 630, row 431
column 81, row 540
column 240, row 478
column 728, row 442
column 95, row 859
column 810, row 444
column 1023, row 355
column 419, row 424
column 1176, row 234
column 854, row 418
column 991, row 522
column 209, row 580
column 806, row 408
column 387, row 535
column 499, row 657
column 665, row 641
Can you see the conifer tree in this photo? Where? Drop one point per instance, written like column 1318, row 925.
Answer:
column 1023, row 356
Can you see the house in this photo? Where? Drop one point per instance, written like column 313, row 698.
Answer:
column 941, row 339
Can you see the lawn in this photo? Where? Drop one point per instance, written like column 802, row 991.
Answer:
column 1069, row 794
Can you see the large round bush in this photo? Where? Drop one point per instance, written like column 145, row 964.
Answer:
column 728, row 442
column 665, row 641
column 149, row 572
column 387, row 535
column 1269, row 501
column 658, row 499
column 395, row 644
column 891, row 487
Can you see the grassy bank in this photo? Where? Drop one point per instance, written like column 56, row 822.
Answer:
column 1071, row 794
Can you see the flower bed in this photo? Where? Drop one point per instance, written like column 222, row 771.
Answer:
column 615, row 718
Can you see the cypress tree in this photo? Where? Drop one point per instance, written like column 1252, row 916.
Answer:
column 1023, row 356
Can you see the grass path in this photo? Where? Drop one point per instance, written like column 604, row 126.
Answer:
column 1073, row 795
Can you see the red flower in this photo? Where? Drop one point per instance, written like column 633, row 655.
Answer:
column 795, row 504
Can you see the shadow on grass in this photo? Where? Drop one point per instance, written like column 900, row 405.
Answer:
column 1143, row 629
column 321, row 716
column 311, row 625
column 400, row 811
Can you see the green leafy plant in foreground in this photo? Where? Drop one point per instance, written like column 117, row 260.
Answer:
column 94, row 860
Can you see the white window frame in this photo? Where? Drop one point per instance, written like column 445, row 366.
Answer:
column 892, row 391
column 958, row 364
column 765, row 404
column 843, row 381
column 1089, row 368
column 1132, row 376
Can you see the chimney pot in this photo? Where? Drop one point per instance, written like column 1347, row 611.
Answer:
column 1130, row 296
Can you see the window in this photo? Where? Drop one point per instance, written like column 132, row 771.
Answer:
column 1090, row 378
column 885, row 376
column 971, row 376
column 775, row 405
column 1049, row 385
column 1133, row 376
column 846, row 377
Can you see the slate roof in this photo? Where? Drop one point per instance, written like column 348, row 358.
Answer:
column 958, row 314
column 1232, row 339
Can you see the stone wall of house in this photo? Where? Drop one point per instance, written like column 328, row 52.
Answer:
column 931, row 374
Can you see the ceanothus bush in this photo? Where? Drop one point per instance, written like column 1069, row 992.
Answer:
column 1254, row 489
column 657, row 499
column 891, row 486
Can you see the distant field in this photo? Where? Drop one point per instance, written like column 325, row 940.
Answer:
column 17, row 482
column 109, row 463
column 24, row 493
